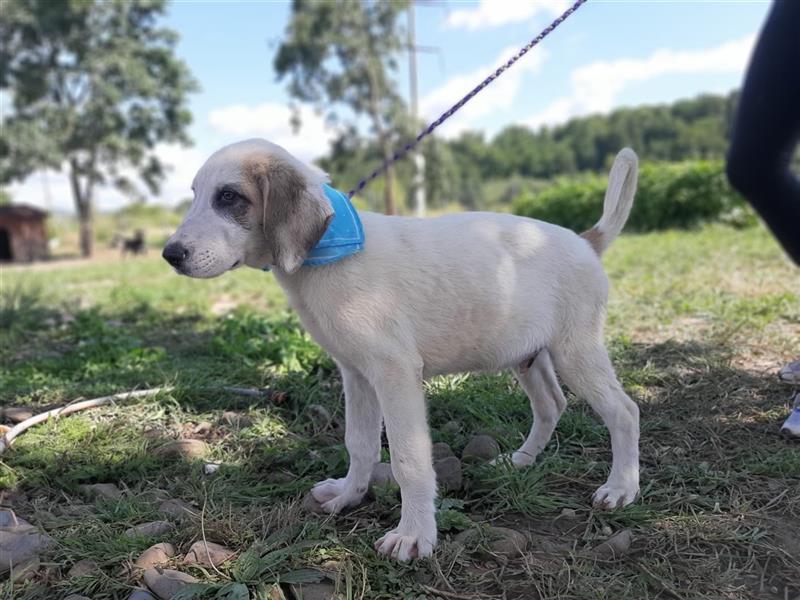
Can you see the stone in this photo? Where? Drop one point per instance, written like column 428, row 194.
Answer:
column 211, row 468
column 77, row 597
column 310, row 504
column 25, row 571
column 320, row 416
column 178, row 510
column 280, row 477
column 11, row 499
column 203, row 427
column 81, row 568
column 441, row 450
column 333, row 566
column 150, row 529
column 467, row 537
column 236, row 420
column 501, row 541
column 382, row 475
column 19, row 542
column 165, row 583
column 223, row 305
column 103, row 491
column 276, row 593
column 207, row 554
column 614, row 547
column 140, row 594
column 481, row 448
column 186, row 448
column 507, row 542
column 448, row 474
column 157, row 554
column 451, row 427
column 315, row 591
column 16, row 414
column 155, row 495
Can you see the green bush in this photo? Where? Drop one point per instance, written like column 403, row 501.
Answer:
column 669, row 195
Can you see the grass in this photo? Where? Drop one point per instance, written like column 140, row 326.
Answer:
column 698, row 323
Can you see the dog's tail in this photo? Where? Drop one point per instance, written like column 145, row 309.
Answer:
column 618, row 202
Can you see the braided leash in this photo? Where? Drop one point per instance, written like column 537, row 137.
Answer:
column 452, row 110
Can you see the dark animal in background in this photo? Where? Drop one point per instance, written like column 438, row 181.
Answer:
column 134, row 244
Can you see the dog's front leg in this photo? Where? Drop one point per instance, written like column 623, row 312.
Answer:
column 402, row 401
column 363, row 441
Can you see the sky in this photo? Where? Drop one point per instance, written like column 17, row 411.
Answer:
column 609, row 54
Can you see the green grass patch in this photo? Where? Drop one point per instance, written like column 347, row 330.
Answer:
column 698, row 323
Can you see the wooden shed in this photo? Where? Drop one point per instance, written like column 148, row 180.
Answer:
column 23, row 237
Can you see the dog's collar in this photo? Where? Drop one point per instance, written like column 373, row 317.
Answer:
column 344, row 235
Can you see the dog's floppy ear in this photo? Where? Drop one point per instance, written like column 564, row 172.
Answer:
column 295, row 215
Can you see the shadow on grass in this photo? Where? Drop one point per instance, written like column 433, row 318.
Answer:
column 717, row 480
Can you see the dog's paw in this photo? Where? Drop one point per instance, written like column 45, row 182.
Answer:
column 518, row 459
column 405, row 545
column 334, row 495
column 611, row 495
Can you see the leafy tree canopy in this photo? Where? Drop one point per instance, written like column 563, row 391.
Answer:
column 341, row 54
column 95, row 85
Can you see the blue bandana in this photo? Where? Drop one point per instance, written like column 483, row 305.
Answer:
column 344, row 235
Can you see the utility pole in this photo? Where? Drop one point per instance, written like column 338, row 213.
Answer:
column 418, row 181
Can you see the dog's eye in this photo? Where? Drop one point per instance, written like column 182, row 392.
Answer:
column 227, row 197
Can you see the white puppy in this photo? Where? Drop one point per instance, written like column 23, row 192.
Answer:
column 463, row 292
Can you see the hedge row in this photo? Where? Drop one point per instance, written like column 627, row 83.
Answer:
column 669, row 195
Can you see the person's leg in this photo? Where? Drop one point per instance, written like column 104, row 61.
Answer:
column 765, row 137
column 767, row 127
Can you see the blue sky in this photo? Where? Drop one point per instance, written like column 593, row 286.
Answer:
column 608, row 54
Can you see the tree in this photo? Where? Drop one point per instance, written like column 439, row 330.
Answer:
column 95, row 86
column 342, row 53
column 441, row 173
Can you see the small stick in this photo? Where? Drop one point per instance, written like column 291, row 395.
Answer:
column 9, row 437
column 72, row 407
column 444, row 594
column 257, row 393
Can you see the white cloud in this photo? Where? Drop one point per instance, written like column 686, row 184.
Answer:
column 51, row 190
column 596, row 86
column 46, row 189
column 493, row 13
column 272, row 121
column 500, row 95
column 182, row 165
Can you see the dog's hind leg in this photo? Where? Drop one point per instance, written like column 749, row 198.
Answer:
column 539, row 381
column 586, row 369
column 363, row 441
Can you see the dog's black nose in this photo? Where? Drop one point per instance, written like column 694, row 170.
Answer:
column 175, row 253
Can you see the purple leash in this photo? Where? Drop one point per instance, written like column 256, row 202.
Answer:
column 452, row 110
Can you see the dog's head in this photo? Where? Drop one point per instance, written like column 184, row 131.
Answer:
column 254, row 204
